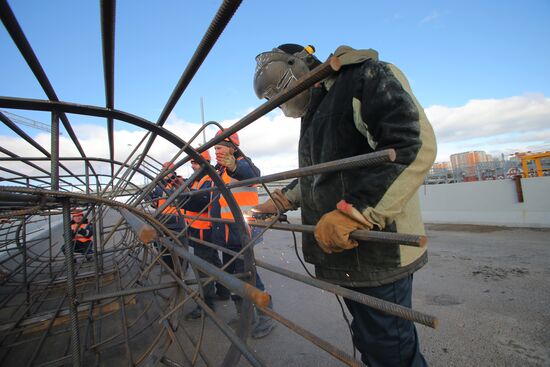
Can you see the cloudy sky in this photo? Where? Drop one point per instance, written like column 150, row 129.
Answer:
column 480, row 70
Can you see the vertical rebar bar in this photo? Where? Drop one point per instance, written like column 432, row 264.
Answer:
column 55, row 152
column 50, row 245
column 71, row 288
column 24, row 249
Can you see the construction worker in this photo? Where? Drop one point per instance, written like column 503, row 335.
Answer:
column 367, row 106
column 199, row 206
column 172, row 215
column 233, row 167
column 81, row 234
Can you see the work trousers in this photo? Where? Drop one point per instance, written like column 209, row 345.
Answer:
column 81, row 247
column 208, row 254
column 382, row 339
column 175, row 224
column 238, row 266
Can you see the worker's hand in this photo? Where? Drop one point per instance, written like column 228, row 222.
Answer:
column 333, row 230
column 278, row 200
column 228, row 161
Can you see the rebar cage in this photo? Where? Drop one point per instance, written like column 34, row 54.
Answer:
column 120, row 303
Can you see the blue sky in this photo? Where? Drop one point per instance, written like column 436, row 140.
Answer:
column 458, row 56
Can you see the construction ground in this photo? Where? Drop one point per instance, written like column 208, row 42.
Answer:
column 488, row 286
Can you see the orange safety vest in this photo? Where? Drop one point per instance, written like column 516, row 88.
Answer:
column 169, row 209
column 246, row 197
column 196, row 223
column 78, row 237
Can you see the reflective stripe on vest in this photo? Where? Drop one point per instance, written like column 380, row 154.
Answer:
column 78, row 237
column 196, row 223
column 169, row 209
column 246, row 197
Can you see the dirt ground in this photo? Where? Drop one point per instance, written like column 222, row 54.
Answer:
column 488, row 286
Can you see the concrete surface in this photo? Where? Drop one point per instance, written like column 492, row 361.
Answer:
column 487, row 285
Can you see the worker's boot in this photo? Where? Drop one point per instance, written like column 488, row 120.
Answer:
column 238, row 302
column 209, row 295
column 196, row 313
column 264, row 323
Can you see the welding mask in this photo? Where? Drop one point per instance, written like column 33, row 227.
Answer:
column 278, row 71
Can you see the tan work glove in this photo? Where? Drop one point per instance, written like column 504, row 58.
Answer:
column 333, row 229
column 228, row 161
column 270, row 205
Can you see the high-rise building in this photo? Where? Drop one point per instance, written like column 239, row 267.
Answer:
column 466, row 162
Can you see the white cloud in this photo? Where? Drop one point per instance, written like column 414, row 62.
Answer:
column 497, row 126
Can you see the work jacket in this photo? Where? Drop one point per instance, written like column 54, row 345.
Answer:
column 160, row 194
column 366, row 107
column 246, row 197
column 81, row 232
column 199, row 205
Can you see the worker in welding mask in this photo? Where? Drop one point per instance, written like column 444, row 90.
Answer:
column 365, row 107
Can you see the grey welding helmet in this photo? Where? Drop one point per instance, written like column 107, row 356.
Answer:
column 278, row 70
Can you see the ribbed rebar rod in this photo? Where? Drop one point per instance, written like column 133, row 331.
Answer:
column 378, row 304
column 108, row 16
column 215, row 29
column 363, row 160
column 28, row 161
column 241, row 288
column 326, row 346
column 236, row 342
column 95, row 159
column 16, row 129
column 318, row 74
column 46, row 332
column 71, row 289
column 54, row 156
column 362, row 235
column 220, row 21
column 124, row 322
column 127, row 292
column 20, row 40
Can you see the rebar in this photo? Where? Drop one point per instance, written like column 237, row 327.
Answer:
column 118, row 301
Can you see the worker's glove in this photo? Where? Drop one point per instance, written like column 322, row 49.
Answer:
column 278, row 201
column 333, row 229
column 228, row 161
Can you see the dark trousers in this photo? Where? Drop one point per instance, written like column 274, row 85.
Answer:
column 81, row 247
column 238, row 267
column 208, row 254
column 382, row 339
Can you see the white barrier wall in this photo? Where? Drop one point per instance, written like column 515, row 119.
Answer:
column 488, row 203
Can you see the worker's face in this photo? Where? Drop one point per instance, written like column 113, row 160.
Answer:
column 195, row 165
column 222, row 151
column 77, row 218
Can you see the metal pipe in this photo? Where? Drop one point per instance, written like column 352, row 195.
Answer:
column 236, row 285
column 145, row 232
